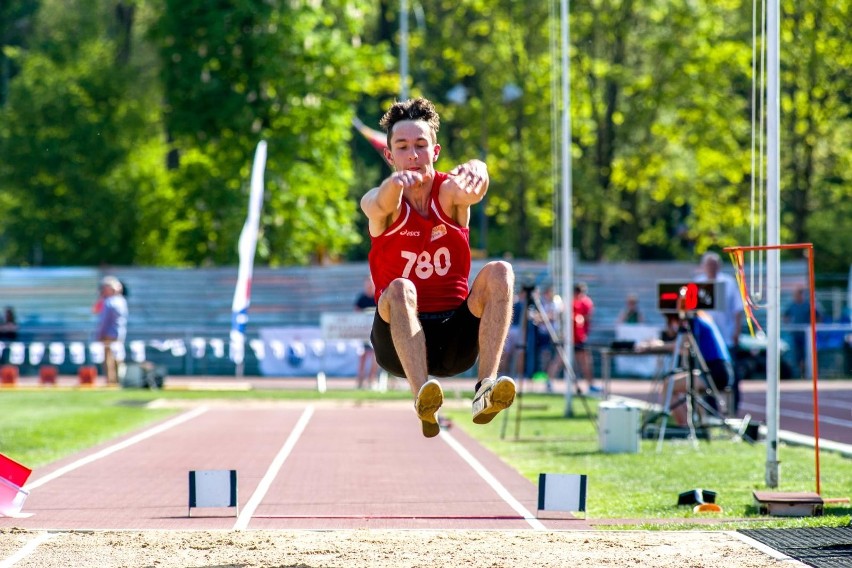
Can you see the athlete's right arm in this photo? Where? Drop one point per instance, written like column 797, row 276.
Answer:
column 382, row 203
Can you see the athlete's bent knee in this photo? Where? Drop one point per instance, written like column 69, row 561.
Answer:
column 500, row 272
column 401, row 292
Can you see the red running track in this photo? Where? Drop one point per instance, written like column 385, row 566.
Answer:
column 344, row 467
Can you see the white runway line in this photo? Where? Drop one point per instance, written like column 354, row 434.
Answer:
column 492, row 481
column 809, row 416
column 26, row 550
column 117, row 447
column 259, row 493
column 768, row 550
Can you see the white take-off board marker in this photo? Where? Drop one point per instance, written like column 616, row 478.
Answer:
column 561, row 493
column 213, row 488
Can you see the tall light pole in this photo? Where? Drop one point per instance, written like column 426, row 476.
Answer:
column 773, row 266
column 403, row 49
column 567, row 223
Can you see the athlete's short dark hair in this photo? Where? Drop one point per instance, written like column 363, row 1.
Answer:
column 412, row 109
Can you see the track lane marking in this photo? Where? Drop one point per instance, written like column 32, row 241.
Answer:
column 26, row 550
column 492, row 481
column 801, row 415
column 144, row 435
column 248, row 511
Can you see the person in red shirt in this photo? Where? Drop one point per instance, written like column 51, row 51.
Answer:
column 429, row 320
column 583, row 310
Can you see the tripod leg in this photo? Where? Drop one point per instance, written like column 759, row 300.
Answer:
column 521, row 362
column 691, row 409
column 670, row 379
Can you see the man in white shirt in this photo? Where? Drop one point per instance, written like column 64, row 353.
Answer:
column 729, row 320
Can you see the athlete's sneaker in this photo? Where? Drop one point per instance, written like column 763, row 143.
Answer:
column 491, row 397
column 428, row 401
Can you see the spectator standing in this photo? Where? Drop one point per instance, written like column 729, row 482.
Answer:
column 368, row 367
column 798, row 312
column 583, row 308
column 112, row 324
column 729, row 319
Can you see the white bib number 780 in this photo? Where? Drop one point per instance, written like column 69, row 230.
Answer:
column 425, row 264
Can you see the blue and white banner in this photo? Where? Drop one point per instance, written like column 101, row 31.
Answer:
column 302, row 352
column 333, row 349
column 247, row 247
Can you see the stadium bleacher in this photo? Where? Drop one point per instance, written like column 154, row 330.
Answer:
column 55, row 304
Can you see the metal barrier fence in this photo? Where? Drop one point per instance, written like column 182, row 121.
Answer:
column 304, row 351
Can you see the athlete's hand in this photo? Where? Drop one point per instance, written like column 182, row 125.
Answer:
column 406, row 179
column 471, row 177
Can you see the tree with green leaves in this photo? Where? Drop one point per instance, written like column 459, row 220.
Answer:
column 663, row 123
column 68, row 133
column 816, row 115
column 15, row 24
column 127, row 127
column 289, row 73
column 487, row 66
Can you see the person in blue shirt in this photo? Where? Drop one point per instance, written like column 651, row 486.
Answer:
column 798, row 312
column 717, row 358
column 112, row 324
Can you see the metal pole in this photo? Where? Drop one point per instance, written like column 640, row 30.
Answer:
column 403, row 49
column 773, row 277
column 567, row 222
column 814, row 364
column 522, row 360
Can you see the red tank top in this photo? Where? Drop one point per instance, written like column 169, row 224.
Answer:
column 433, row 252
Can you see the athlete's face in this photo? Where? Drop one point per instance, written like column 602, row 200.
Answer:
column 412, row 147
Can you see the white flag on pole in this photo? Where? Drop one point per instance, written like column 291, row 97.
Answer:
column 247, row 247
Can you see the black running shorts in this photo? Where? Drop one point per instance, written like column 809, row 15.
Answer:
column 452, row 342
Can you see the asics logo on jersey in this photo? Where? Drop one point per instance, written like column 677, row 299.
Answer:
column 410, row 233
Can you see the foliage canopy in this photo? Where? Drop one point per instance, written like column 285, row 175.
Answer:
column 127, row 127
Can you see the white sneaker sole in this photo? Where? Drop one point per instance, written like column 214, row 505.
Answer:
column 499, row 396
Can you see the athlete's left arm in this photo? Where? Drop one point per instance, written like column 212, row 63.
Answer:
column 466, row 185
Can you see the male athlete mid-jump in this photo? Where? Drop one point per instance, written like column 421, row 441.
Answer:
column 429, row 321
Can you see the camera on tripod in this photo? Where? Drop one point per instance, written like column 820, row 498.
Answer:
column 675, row 296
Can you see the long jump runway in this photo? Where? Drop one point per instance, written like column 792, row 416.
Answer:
column 317, row 466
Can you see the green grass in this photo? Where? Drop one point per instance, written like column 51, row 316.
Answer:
column 40, row 426
column 37, row 428
column 646, row 485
